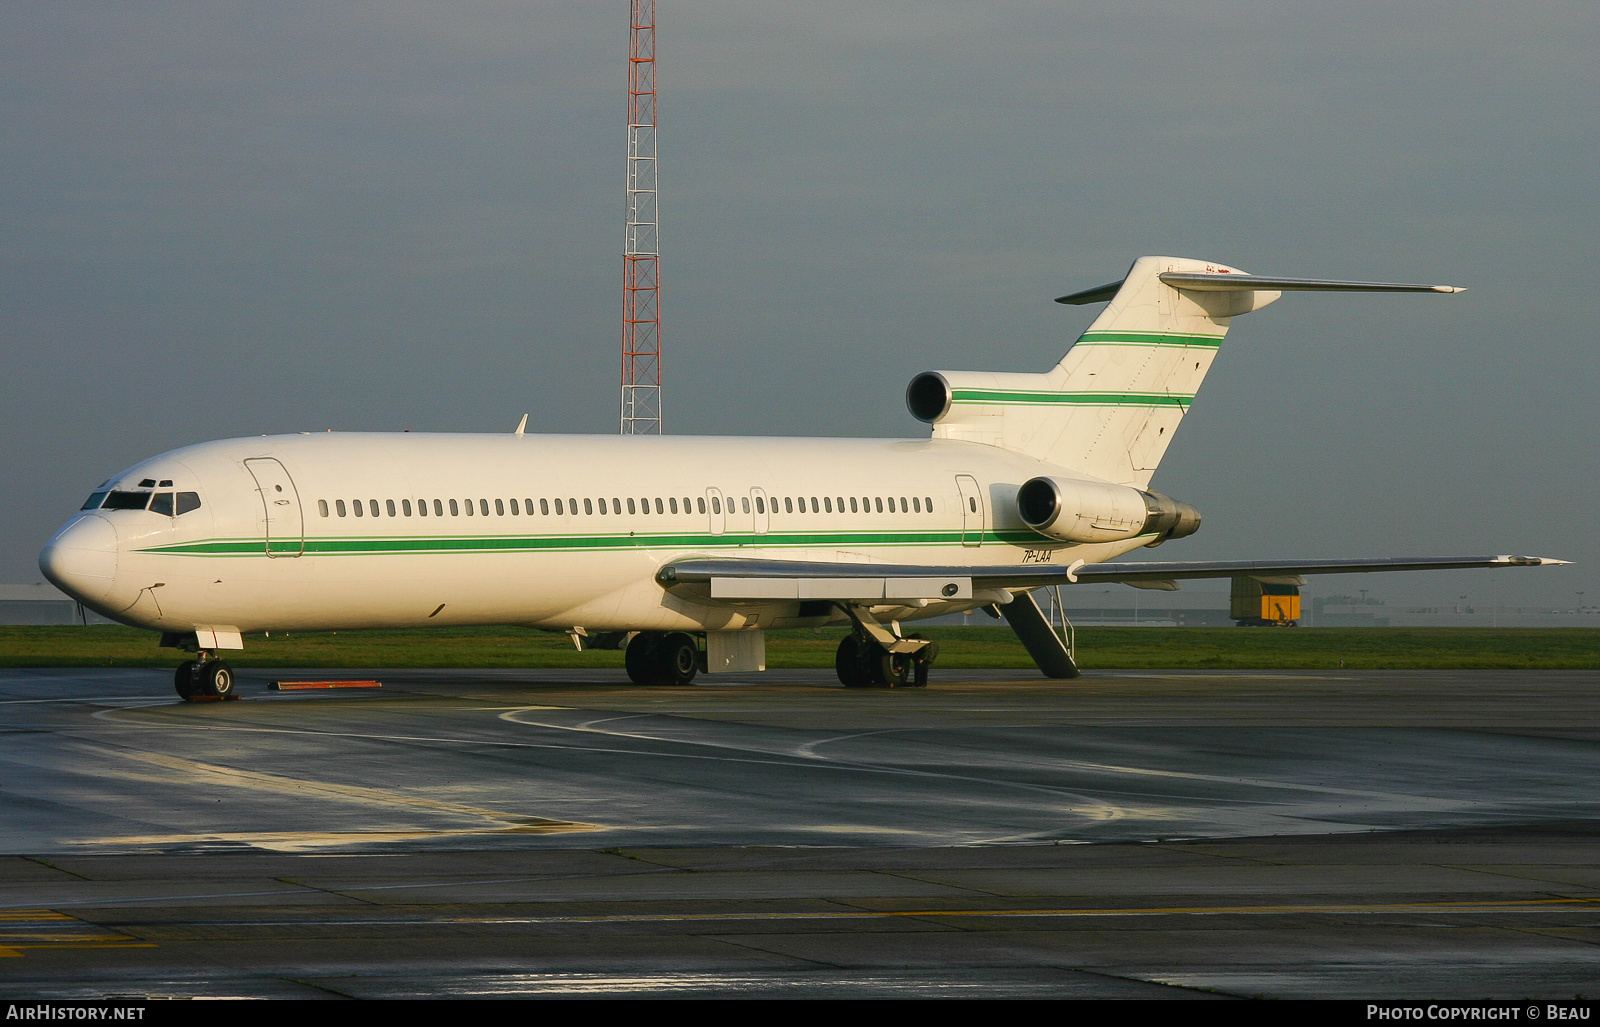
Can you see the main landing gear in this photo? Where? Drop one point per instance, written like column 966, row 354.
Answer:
column 662, row 658
column 872, row 656
column 862, row 663
column 204, row 679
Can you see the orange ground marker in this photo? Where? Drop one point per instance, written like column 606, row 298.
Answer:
column 294, row 686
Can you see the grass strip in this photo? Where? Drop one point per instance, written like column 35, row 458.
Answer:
column 961, row 648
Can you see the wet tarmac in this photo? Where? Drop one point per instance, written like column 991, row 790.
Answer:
column 556, row 833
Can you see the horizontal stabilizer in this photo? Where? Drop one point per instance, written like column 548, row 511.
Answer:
column 1200, row 281
column 1220, row 281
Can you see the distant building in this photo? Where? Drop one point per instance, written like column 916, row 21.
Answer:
column 42, row 604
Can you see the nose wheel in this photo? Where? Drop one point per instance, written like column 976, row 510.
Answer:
column 204, row 680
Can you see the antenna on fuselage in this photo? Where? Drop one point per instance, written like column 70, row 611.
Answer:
column 521, row 425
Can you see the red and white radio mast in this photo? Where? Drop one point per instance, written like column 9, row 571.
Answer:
column 641, row 254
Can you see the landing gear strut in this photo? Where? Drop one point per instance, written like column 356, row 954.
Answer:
column 657, row 658
column 204, row 678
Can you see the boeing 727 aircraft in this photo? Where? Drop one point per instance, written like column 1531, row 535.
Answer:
column 692, row 547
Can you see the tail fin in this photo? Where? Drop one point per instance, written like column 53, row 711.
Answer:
column 1109, row 409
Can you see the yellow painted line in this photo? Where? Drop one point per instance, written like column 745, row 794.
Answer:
column 33, row 914
column 12, row 949
column 64, row 937
column 1521, row 905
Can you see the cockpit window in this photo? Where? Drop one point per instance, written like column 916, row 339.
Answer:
column 148, row 483
column 188, row 501
column 94, row 501
column 127, row 501
column 161, row 503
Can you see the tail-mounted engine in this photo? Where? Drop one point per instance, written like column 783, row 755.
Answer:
column 1070, row 510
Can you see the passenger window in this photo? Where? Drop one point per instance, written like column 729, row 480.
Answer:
column 322, row 507
column 927, row 504
column 840, row 501
column 853, row 505
column 359, row 507
column 702, row 504
column 455, row 510
column 916, row 504
column 572, row 504
column 438, row 508
column 602, row 507
column 744, row 503
column 588, row 507
column 527, row 507
column 544, row 506
column 93, row 502
column 188, row 501
column 483, row 507
column 405, row 507
column 499, row 507
column 716, row 505
column 161, row 503
column 630, row 505
column 422, row 508
column 903, row 507
column 616, row 505
column 388, row 506
column 374, row 506
column 827, row 505
column 761, row 507
column 472, row 511
column 880, row 504
column 814, row 507
column 659, row 510
column 788, row 505
column 338, row 507
column 672, row 503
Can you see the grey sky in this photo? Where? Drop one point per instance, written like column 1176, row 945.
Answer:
column 233, row 219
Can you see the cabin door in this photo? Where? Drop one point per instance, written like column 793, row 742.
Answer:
column 971, row 510
column 285, row 533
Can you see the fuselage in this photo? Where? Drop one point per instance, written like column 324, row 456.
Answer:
column 356, row 530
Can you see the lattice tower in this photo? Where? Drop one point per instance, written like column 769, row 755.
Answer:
column 641, row 271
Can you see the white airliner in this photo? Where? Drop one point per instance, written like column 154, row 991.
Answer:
column 693, row 547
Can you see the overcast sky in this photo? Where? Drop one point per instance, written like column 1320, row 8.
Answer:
column 245, row 218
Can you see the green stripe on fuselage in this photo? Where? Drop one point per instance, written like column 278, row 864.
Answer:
column 425, row 545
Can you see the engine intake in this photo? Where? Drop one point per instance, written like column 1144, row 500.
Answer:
column 1069, row 510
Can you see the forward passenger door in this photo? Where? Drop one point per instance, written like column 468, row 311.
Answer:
column 280, row 501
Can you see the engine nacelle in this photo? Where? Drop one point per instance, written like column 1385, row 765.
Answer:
column 1069, row 510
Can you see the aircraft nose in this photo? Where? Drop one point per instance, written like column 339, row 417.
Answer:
column 81, row 559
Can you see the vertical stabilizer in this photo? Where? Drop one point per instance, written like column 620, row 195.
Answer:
column 1110, row 408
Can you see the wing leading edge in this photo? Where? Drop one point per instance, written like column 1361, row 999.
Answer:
column 793, row 579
